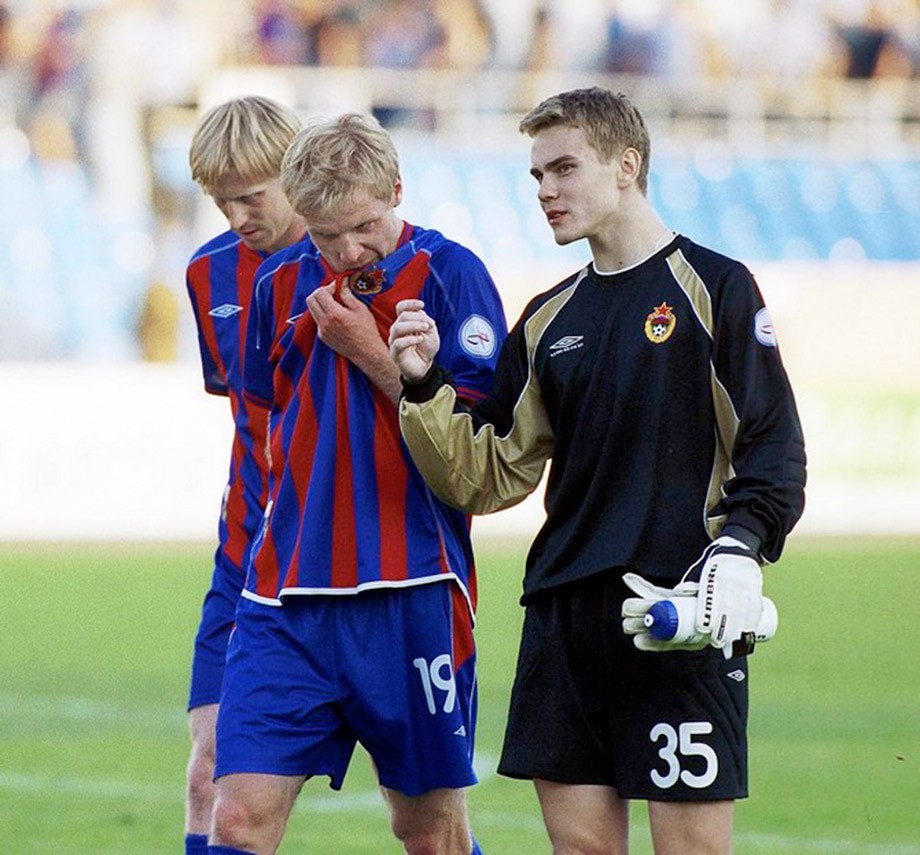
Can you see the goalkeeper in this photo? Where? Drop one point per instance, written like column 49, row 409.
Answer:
column 652, row 380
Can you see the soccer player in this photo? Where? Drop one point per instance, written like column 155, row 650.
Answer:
column 653, row 381
column 235, row 156
column 356, row 620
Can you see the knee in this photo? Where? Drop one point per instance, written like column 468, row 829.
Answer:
column 200, row 780
column 438, row 833
column 235, row 821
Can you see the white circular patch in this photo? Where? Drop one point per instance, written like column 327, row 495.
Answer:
column 763, row 328
column 477, row 337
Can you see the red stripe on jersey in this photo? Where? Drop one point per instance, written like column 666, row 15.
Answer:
column 237, row 537
column 462, row 627
column 258, row 428
column 408, row 284
column 393, row 487
column 344, row 569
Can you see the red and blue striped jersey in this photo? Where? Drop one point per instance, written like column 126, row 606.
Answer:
column 219, row 278
column 349, row 511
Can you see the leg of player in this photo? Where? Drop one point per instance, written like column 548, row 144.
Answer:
column 584, row 818
column 199, row 794
column 433, row 822
column 703, row 827
column 252, row 810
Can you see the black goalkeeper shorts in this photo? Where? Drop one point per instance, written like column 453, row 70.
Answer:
column 587, row 707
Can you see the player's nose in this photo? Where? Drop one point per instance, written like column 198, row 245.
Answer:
column 236, row 215
column 350, row 250
column 546, row 189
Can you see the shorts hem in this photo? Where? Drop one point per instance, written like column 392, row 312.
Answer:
column 202, row 701
column 412, row 792
column 221, row 771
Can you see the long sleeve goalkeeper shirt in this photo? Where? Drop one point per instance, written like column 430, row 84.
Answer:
column 658, row 394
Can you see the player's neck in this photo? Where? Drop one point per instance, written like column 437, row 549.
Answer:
column 634, row 238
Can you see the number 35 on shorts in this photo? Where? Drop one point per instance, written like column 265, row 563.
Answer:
column 682, row 747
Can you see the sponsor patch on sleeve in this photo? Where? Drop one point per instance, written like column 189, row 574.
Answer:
column 763, row 328
column 477, row 337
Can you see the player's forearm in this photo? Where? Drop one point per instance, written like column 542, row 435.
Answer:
column 382, row 372
column 473, row 469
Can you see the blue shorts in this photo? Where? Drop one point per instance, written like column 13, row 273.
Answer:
column 218, row 613
column 392, row 668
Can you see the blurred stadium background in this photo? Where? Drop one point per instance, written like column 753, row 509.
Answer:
column 785, row 133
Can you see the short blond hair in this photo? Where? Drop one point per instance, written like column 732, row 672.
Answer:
column 610, row 122
column 330, row 159
column 244, row 137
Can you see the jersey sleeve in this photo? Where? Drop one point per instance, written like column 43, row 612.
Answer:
column 257, row 367
column 489, row 457
column 765, row 492
column 212, row 368
column 464, row 302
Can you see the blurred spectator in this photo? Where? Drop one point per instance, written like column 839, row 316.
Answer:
column 513, row 31
column 281, row 38
column 338, row 37
column 578, row 37
column 469, row 36
column 15, row 85
column 636, row 38
column 158, row 324
column 404, row 34
column 905, row 25
column 60, row 90
column 870, row 46
column 6, row 37
column 772, row 39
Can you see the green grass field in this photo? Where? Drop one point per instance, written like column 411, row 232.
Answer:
column 94, row 651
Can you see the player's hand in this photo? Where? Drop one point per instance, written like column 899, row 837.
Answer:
column 635, row 608
column 345, row 323
column 730, row 592
column 414, row 340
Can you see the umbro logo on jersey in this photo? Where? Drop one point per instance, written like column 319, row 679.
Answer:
column 737, row 675
column 228, row 310
column 460, row 731
column 566, row 343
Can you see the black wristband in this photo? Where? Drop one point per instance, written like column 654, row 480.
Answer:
column 745, row 535
column 418, row 392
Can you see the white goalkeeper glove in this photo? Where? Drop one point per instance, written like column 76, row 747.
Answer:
column 635, row 609
column 730, row 598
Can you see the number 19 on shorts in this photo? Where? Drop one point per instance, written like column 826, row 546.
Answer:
column 438, row 675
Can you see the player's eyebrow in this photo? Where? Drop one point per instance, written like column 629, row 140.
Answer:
column 555, row 163
column 354, row 228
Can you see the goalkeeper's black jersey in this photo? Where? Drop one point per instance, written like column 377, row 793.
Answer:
column 658, row 392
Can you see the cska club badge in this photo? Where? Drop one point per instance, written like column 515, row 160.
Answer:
column 660, row 324
column 369, row 281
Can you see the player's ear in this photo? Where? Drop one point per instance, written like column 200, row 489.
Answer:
column 397, row 192
column 630, row 163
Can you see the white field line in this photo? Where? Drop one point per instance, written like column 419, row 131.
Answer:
column 91, row 710
column 371, row 801
column 314, row 798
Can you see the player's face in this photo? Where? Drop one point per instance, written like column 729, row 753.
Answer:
column 579, row 194
column 359, row 232
column 258, row 212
